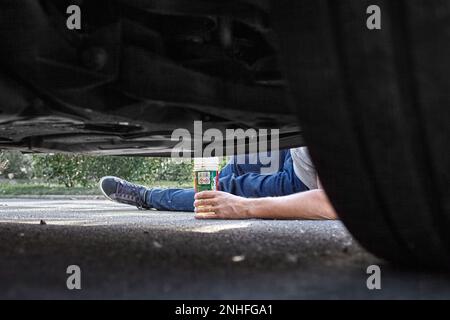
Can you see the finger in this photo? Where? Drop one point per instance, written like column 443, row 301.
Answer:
column 205, row 209
column 207, row 194
column 205, row 202
column 206, row 216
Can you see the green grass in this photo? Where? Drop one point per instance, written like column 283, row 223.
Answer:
column 33, row 189
column 20, row 188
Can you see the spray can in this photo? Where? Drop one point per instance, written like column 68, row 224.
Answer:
column 206, row 174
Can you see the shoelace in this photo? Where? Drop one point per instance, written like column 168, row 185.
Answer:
column 130, row 192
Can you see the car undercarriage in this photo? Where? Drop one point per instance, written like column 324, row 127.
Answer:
column 136, row 71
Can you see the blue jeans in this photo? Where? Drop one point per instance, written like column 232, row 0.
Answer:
column 239, row 179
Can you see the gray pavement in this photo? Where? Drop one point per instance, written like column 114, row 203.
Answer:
column 127, row 253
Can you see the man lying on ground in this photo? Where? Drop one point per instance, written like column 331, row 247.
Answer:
column 292, row 192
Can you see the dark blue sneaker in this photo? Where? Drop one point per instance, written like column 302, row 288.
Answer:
column 122, row 191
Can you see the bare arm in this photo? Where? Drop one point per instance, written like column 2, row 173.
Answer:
column 312, row 204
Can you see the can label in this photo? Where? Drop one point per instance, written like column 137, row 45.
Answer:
column 205, row 180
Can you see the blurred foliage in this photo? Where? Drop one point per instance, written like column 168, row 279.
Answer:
column 81, row 170
column 15, row 165
column 3, row 164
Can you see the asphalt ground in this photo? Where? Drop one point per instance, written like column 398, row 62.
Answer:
column 124, row 253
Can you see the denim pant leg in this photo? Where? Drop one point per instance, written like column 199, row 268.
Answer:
column 171, row 199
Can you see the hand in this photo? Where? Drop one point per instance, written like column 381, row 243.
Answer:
column 220, row 205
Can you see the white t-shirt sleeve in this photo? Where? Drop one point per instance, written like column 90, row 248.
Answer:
column 304, row 168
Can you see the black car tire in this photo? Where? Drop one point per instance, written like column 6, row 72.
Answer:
column 375, row 108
